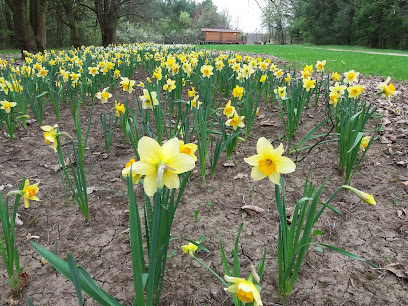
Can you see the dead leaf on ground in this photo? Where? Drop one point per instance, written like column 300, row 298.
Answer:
column 90, row 190
column 43, row 261
column 29, row 237
column 12, row 301
column 229, row 164
column 405, row 183
column 240, row 176
column 2, row 187
column 66, row 162
column 30, row 121
column 18, row 220
column 398, row 269
column 261, row 116
column 289, row 214
column 268, row 123
column 25, row 280
column 252, row 209
column 401, row 212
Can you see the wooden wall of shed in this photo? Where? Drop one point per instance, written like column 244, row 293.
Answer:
column 212, row 36
column 229, row 36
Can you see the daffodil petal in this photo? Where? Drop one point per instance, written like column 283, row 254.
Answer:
column 46, row 128
column 279, row 150
column 149, row 185
column 149, row 150
column 253, row 160
column 231, row 279
column 263, row 146
column 274, row 178
column 171, row 147
column 170, row 179
column 285, row 165
column 143, row 168
column 180, row 162
column 256, row 174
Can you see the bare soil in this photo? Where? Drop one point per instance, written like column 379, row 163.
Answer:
column 377, row 233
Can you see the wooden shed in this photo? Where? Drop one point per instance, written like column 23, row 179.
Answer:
column 220, row 36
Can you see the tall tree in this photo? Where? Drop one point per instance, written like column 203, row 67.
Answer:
column 24, row 17
column 68, row 11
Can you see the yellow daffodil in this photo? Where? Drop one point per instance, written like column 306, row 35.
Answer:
column 334, row 98
column 157, row 74
column 189, row 249
column 281, row 92
column 126, row 172
column 119, row 108
column 244, row 289
column 42, row 73
column 368, row 198
column 140, row 84
column 127, row 85
column 29, row 192
column 335, row 77
column 93, row 71
column 287, row 79
column 116, row 74
column 195, row 103
column 278, row 73
column 263, row 78
column 103, row 96
column 236, row 121
column 308, row 69
column 320, row 65
column 247, row 71
column 229, row 110
column 308, row 84
column 206, row 70
column 351, row 77
column 269, row 162
column 355, row 91
column 170, row 85
column 191, row 93
column 340, row 89
column 238, row 92
column 364, row 142
column 273, row 67
column 387, row 89
column 161, row 164
column 188, row 148
column 305, row 75
column 50, row 135
column 148, row 101
column 7, row 106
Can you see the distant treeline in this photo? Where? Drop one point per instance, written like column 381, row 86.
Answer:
column 371, row 23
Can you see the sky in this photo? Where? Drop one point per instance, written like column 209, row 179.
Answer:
column 245, row 14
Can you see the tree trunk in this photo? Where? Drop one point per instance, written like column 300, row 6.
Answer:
column 37, row 19
column 22, row 27
column 70, row 12
column 108, row 16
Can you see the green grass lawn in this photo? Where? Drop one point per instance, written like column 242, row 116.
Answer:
column 341, row 61
column 9, row 51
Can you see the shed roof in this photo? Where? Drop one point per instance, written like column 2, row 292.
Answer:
column 220, row 30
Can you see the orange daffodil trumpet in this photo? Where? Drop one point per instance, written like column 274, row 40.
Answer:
column 244, row 289
column 387, row 89
column 269, row 162
column 29, row 192
column 160, row 165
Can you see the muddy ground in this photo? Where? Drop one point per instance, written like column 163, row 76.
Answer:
column 377, row 233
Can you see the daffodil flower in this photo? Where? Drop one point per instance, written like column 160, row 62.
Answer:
column 206, row 70
column 170, row 85
column 189, row 249
column 364, row 142
column 149, row 99
column 119, row 108
column 229, row 110
column 387, row 89
column 308, row 83
column 126, row 172
column 281, row 91
column 127, row 84
column 269, row 162
column 237, row 92
column 7, row 106
column 368, row 198
column 161, row 165
column 244, row 289
column 29, row 192
column 351, row 77
column 50, row 135
column 236, row 121
column 103, row 96
column 188, row 148
column 320, row 65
